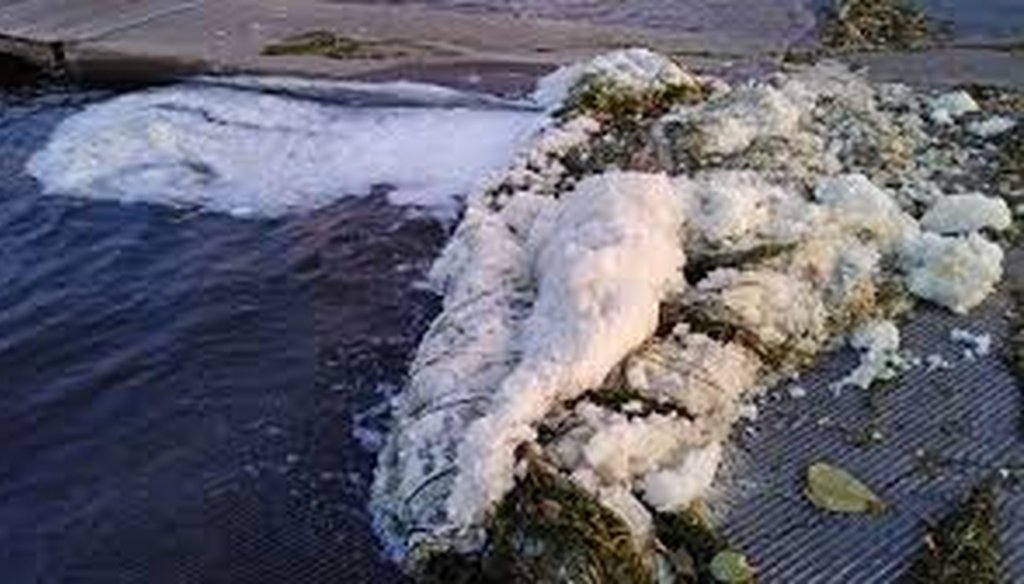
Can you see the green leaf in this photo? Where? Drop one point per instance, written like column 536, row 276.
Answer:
column 833, row 489
column 729, row 567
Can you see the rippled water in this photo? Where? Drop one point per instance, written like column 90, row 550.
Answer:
column 178, row 390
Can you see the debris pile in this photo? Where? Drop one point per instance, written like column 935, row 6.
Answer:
column 668, row 247
column 877, row 24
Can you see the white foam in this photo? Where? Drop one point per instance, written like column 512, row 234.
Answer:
column 240, row 150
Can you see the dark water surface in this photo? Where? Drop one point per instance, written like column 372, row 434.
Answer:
column 177, row 391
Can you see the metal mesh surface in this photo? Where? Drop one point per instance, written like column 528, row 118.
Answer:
column 941, row 433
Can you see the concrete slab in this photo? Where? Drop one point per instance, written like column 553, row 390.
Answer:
column 144, row 39
column 77, row 21
column 773, row 24
column 229, row 35
column 946, row 67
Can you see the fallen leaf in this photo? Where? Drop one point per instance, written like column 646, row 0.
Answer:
column 833, row 489
column 729, row 567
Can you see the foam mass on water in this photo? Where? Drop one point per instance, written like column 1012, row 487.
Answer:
column 266, row 147
column 616, row 298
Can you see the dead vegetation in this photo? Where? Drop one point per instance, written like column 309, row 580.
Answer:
column 548, row 530
column 627, row 116
column 859, row 25
column 693, row 546
column 964, row 547
column 325, row 43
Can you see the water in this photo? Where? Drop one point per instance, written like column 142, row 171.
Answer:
column 178, row 389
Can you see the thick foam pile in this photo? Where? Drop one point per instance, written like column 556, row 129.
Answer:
column 793, row 207
column 265, row 148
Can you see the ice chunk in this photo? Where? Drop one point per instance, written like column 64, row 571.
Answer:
column 620, row 500
column 966, row 213
column 878, row 336
column 797, row 391
column 499, row 358
column 625, row 447
column 936, row 362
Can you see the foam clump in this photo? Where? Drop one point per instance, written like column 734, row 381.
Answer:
column 265, row 148
column 630, row 69
column 967, row 213
column 947, row 107
column 878, row 343
column 955, row 272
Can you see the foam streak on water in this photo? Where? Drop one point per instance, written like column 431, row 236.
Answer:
column 246, row 150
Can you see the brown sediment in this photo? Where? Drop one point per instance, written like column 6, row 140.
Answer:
column 325, row 43
column 318, row 42
column 964, row 547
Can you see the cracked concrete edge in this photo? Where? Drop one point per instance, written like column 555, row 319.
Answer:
column 451, row 48
column 229, row 36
